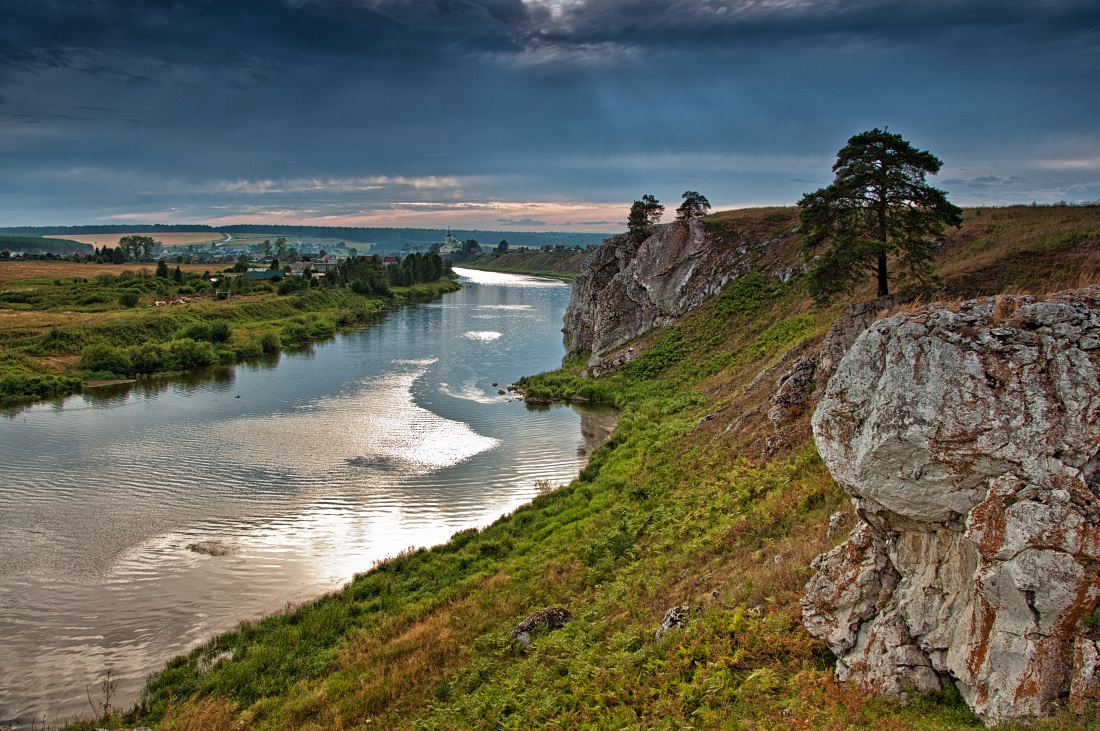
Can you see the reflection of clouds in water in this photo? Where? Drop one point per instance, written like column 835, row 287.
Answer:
column 504, row 307
column 484, row 336
column 379, row 424
column 507, row 280
column 469, row 391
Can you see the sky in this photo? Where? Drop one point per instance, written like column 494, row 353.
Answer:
column 538, row 115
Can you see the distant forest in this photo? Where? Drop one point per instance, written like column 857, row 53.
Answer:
column 383, row 237
column 44, row 246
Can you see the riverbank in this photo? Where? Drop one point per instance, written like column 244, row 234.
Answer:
column 556, row 264
column 62, row 324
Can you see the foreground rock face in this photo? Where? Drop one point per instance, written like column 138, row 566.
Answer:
column 627, row 288
column 969, row 439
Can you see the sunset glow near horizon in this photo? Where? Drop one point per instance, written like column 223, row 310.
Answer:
column 536, row 115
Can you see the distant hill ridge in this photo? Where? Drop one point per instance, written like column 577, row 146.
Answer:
column 372, row 235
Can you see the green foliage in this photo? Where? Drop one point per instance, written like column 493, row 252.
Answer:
column 212, row 331
column 107, row 360
column 1093, row 620
column 695, row 205
column 666, row 351
column 878, row 207
column 14, row 388
column 128, row 299
column 643, row 216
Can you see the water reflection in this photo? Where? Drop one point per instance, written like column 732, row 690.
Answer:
column 135, row 524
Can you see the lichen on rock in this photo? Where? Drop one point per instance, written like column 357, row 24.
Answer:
column 968, row 438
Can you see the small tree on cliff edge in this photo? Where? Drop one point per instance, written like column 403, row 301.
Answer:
column 695, row 204
column 644, row 215
column 879, row 206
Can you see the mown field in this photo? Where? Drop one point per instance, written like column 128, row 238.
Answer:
column 697, row 499
column 168, row 238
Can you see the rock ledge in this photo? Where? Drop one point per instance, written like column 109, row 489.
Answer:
column 969, row 439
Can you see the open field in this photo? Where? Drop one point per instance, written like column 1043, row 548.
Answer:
column 170, row 238
column 13, row 272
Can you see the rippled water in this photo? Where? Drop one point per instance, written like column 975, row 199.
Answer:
column 137, row 523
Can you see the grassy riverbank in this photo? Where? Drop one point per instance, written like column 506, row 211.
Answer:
column 558, row 264
column 698, row 499
column 62, row 324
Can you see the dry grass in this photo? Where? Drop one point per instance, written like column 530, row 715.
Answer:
column 381, row 676
column 202, row 714
column 174, row 238
column 16, row 271
column 1022, row 249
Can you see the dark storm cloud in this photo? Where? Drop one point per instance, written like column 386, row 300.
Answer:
column 192, row 108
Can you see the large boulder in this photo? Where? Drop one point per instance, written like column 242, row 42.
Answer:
column 969, row 439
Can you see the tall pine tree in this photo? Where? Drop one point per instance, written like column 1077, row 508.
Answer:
column 878, row 209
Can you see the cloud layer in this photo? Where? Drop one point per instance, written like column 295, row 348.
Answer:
column 513, row 114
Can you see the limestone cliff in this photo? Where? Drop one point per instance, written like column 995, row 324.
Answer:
column 969, row 440
column 627, row 288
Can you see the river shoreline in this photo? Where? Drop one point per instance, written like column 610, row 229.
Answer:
column 290, row 475
column 258, row 324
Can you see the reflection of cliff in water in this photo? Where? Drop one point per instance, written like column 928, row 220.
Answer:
column 597, row 423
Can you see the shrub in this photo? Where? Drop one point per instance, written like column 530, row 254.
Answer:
column 187, row 353
column 148, row 358
column 220, row 331
column 196, row 331
column 296, row 332
column 95, row 299
column 19, row 387
column 106, row 359
column 269, row 342
column 249, row 348
column 128, row 299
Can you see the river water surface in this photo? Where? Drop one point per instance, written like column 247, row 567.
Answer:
column 136, row 524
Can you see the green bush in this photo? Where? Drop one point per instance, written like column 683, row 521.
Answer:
column 21, row 388
column 215, row 331
column 249, row 348
column 297, row 332
column 106, row 359
column 187, row 353
column 128, row 299
column 220, row 331
column 148, row 358
column 270, row 342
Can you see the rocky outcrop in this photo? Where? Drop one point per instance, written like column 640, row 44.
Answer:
column 627, row 288
column 812, row 370
column 548, row 619
column 675, row 618
column 969, row 440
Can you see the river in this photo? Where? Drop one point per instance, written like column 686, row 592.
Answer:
column 136, row 523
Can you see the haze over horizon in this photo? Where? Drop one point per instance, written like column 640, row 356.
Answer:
column 525, row 114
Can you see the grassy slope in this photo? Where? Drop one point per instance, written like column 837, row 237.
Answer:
column 697, row 499
column 563, row 264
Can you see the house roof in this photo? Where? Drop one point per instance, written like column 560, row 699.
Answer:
column 263, row 276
